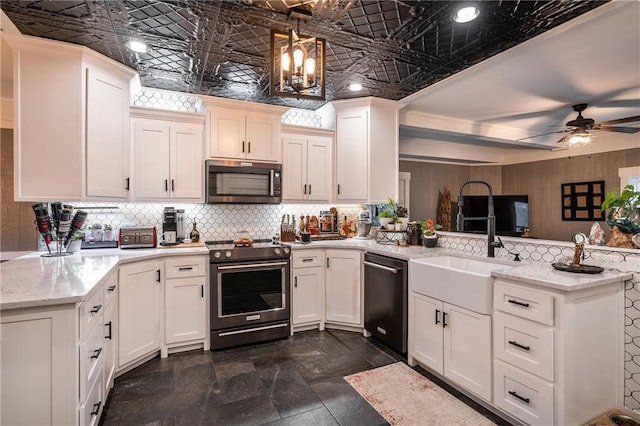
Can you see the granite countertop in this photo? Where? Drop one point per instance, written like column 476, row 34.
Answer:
column 539, row 274
column 32, row 280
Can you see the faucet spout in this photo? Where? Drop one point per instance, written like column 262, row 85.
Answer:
column 490, row 218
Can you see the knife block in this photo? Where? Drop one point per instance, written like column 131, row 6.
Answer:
column 287, row 236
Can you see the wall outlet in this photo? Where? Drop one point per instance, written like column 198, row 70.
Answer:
column 608, row 261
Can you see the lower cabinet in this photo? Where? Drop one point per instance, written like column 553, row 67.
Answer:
column 343, row 287
column 185, row 308
column 139, row 310
column 110, row 331
column 307, row 289
column 452, row 341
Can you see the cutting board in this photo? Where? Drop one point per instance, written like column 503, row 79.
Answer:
column 185, row 245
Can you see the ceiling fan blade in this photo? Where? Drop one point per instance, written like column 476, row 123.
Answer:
column 620, row 120
column 629, row 130
column 562, row 139
column 544, row 134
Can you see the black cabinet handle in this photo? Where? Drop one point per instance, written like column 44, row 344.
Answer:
column 308, row 259
column 127, row 180
column 338, row 189
column 202, row 291
column 111, row 288
column 110, row 335
column 166, row 185
column 515, row 302
column 96, row 408
column 518, row 345
column 185, row 268
column 309, row 189
column 95, row 309
column 327, row 263
column 444, row 319
column 521, row 398
column 295, row 282
column 242, row 146
column 437, row 316
column 173, row 186
column 305, row 189
column 158, row 278
column 249, row 150
column 96, row 354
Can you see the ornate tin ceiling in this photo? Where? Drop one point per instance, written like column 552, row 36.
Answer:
column 221, row 48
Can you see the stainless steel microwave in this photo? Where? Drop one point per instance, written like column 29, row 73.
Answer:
column 243, row 182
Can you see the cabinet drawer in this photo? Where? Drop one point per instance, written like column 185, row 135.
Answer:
column 525, row 344
column 185, row 267
column 91, row 359
column 307, row 258
column 110, row 289
column 523, row 302
column 90, row 311
column 523, row 395
column 91, row 409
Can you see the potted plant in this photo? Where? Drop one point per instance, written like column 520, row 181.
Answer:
column 623, row 216
column 386, row 217
column 403, row 216
column 429, row 234
column 107, row 235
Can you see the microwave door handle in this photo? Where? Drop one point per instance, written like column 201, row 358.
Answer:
column 271, row 179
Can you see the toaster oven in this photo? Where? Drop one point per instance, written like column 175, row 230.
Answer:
column 143, row 237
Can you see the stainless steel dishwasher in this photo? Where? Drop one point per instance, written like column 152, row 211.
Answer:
column 385, row 300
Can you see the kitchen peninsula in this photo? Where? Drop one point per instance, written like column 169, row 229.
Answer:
column 65, row 304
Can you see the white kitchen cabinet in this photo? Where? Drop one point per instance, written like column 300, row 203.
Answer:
column 244, row 135
column 139, row 304
column 557, row 357
column 343, row 287
column 306, row 168
column 367, row 147
column 185, row 299
column 307, row 291
column 168, row 161
column 110, row 331
column 452, row 341
column 39, row 364
column 71, row 141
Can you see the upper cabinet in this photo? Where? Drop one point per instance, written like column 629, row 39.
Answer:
column 366, row 150
column 243, row 130
column 307, row 166
column 71, row 136
column 168, row 155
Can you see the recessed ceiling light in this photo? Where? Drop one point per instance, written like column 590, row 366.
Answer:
column 137, row 46
column 466, row 14
column 354, row 87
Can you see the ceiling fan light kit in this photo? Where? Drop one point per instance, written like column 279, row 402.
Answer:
column 466, row 13
column 580, row 139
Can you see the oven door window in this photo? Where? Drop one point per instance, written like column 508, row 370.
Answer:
column 250, row 291
column 237, row 183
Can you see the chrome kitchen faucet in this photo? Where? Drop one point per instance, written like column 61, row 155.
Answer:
column 490, row 218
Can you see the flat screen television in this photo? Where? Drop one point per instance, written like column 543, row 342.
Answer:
column 511, row 211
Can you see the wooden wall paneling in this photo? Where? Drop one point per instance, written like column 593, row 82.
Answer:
column 490, row 174
column 17, row 230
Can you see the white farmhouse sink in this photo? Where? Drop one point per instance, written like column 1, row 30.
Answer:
column 460, row 281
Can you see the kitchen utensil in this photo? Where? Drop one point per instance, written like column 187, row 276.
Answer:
column 363, row 228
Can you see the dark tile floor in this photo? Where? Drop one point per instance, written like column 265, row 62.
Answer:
column 297, row 381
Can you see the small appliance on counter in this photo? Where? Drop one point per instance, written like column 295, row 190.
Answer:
column 169, row 227
column 363, row 225
column 133, row 237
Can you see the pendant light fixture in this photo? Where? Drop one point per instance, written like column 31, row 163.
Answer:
column 297, row 62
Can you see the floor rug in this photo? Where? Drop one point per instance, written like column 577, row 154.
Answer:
column 404, row 397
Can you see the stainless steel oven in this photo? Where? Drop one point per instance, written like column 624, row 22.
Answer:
column 229, row 181
column 250, row 298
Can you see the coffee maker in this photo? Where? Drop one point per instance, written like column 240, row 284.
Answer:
column 169, row 227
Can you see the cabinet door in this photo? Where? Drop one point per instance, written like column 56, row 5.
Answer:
column 294, row 167
column 307, row 295
column 184, row 309
column 186, row 162
column 263, row 137
column 352, row 155
column 467, row 350
column 319, row 169
column 227, row 133
column 151, row 153
column 107, row 135
column 139, row 310
column 425, row 331
column 343, row 287
column 110, row 330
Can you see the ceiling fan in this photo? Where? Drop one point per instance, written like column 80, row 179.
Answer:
column 581, row 128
